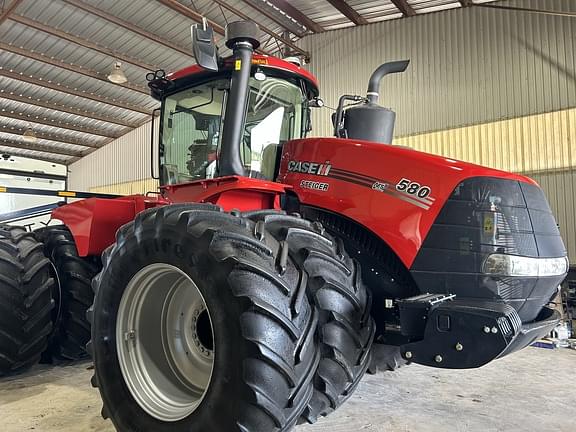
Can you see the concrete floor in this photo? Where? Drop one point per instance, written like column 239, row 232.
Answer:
column 533, row 390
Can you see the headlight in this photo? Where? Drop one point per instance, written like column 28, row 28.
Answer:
column 513, row 265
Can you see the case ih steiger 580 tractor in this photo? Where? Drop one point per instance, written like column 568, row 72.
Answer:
column 273, row 271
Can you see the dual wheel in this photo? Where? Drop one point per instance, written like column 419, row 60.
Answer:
column 205, row 320
column 45, row 290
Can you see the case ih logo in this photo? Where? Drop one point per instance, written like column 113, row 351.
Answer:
column 310, row 167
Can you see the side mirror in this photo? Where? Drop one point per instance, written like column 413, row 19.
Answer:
column 204, row 47
column 316, row 103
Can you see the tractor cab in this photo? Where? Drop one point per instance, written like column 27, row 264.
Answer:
column 197, row 107
column 192, row 117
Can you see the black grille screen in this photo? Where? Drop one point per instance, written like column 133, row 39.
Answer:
column 485, row 216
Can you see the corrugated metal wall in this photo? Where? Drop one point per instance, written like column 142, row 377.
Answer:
column 124, row 160
column 468, row 65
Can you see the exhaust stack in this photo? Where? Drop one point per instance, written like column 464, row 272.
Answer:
column 373, row 92
column 368, row 120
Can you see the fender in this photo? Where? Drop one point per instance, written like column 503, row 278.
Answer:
column 93, row 222
column 395, row 192
column 230, row 193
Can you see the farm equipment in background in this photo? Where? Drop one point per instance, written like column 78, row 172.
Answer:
column 274, row 270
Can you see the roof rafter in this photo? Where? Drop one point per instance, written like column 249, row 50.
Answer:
column 294, row 13
column 79, row 41
column 20, row 97
column 61, row 88
column 20, row 115
column 264, row 11
column 349, row 12
column 59, row 138
column 41, row 148
column 128, row 26
column 41, row 57
column 6, row 12
column 18, row 152
column 404, row 7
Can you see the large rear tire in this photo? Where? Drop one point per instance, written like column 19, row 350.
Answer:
column 25, row 301
column 73, row 293
column 346, row 329
column 253, row 367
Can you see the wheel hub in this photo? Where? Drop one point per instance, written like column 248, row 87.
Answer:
column 165, row 342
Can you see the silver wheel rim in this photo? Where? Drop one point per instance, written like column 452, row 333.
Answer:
column 164, row 341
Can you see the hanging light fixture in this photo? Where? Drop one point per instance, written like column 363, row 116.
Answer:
column 117, row 74
column 29, row 136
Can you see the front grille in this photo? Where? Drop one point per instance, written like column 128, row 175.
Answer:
column 485, row 216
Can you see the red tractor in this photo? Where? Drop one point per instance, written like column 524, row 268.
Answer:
column 274, row 270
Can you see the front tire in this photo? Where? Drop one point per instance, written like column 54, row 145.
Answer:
column 346, row 328
column 261, row 343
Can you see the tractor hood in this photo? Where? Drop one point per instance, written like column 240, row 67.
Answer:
column 395, row 192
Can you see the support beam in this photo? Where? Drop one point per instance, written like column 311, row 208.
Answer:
column 349, row 12
column 6, row 12
column 244, row 16
column 20, row 153
column 61, row 88
column 39, row 147
column 54, row 137
column 292, row 12
column 285, row 23
column 64, row 108
column 129, row 26
column 8, row 113
column 404, row 7
column 81, row 42
column 41, row 57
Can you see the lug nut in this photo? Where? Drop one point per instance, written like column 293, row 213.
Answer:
column 438, row 358
column 486, row 329
column 459, row 347
column 408, row 354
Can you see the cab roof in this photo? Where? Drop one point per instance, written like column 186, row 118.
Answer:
column 258, row 59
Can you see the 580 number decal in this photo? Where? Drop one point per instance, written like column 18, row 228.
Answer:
column 413, row 188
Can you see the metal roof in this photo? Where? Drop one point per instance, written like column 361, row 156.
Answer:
column 55, row 56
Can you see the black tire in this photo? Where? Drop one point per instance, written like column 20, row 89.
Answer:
column 388, row 279
column 25, row 301
column 385, row 358
column 346, row 329
column 264, row 325
column 73, row 293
